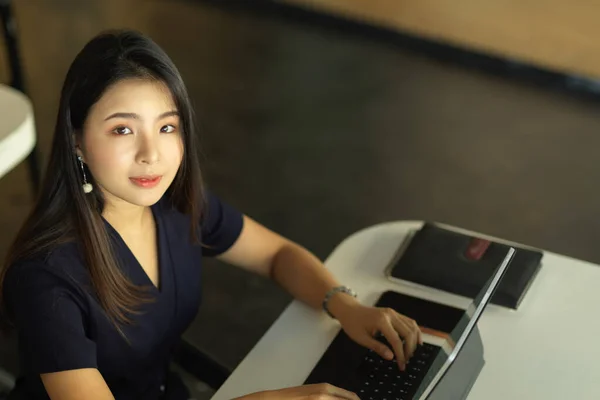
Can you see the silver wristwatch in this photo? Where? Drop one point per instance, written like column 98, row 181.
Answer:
column 329, row 295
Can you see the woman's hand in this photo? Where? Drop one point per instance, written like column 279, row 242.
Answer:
column 321, row 391
column 362, row 324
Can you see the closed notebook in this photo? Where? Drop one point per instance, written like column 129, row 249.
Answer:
column 444, row 259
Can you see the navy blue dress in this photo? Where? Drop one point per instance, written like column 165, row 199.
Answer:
column 61, row 325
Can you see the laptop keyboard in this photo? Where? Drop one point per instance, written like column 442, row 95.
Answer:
column 381, row 379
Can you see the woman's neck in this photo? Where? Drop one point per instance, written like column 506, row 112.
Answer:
column 126, row 217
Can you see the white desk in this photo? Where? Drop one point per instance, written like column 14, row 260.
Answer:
column 17, row 128
column 547, row 349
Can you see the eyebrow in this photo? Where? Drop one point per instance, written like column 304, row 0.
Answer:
column 136, row 116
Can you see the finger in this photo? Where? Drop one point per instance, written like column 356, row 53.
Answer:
column 391, row 335
column 409, row 331
column 417, row 329
column 334, row 391
column 378, row 347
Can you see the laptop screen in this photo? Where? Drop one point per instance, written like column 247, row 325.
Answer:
column 458, row 336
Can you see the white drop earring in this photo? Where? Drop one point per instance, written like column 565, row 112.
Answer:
column 87, row 187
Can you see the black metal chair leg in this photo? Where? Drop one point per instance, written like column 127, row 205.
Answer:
column 33, row 162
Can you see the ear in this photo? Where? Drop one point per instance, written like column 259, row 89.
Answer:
column 79, row 154
column 78, row 151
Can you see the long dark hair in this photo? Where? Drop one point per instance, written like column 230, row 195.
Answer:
column 63, row 212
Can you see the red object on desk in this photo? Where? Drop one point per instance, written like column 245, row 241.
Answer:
column 477, row 248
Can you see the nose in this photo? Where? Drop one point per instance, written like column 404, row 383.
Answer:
column 148, row 150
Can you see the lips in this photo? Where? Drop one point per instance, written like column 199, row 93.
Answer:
column 146, row 181
column 146, row 177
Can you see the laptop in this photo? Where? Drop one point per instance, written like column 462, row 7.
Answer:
column 444, row 367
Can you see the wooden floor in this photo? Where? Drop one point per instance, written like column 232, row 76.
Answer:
column 554, row 34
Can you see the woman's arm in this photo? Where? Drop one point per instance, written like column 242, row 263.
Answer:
column 77, row 384
column 305, row 277
column 297, row 270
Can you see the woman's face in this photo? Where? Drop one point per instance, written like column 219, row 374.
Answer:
column 132, row 142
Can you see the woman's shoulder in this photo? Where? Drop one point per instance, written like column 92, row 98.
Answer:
column 36, row 288
column 62, row 263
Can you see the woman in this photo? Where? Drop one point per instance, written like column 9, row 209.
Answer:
column 104, row 276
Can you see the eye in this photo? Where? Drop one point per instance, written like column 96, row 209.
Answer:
column 168, row 129
column 122, row 130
